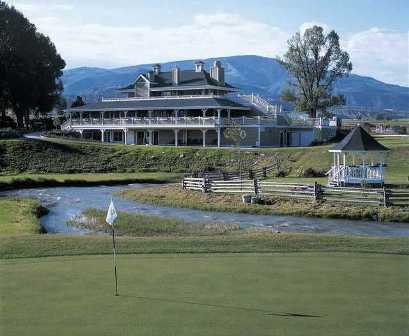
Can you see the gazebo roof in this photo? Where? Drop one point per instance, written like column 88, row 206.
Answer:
column 358, row 140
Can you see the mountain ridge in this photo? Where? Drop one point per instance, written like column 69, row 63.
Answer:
column 251, row 73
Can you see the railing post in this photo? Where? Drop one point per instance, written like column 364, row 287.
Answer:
column 264, row 171
column 251, row 174
column 183, row 184
column 385, row 197
column 256, row 186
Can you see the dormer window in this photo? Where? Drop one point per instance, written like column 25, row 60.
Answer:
column 199, row 66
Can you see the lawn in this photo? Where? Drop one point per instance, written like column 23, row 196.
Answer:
column 219, row 294
column 70, row 157
column 19, row 216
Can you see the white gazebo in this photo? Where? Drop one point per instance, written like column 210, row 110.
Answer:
column 358, row 160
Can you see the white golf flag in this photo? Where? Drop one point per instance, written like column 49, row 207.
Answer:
column 111, row 215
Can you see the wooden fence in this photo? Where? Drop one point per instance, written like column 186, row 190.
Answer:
column 314, row 192
column 259, row 173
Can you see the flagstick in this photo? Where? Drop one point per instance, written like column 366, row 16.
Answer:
column 114, row 255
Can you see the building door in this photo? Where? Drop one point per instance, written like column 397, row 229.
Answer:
column 140, row 138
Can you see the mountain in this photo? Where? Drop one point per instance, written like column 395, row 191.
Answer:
column 261, row 75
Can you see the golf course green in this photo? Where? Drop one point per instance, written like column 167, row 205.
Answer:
column 207, row 294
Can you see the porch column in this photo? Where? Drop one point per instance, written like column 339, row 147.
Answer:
column 70, row 118
column 102, row 135
column 125, row 136
column 218, row 137
column 150, row 114
column 80, row 118
column 81, row 132
column 204, row 137
column 228, row 114
column 219, row 112
column 259, row 131
column 150, row 136
column 204, row 112
column 176, row 137
column 102, row 117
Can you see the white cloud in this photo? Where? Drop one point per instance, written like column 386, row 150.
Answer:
column 380, row 53
column 375, row 52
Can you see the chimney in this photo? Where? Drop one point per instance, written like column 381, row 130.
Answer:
column 176, row 76
column 156, row 69
column 199, row 66
column 217, row 72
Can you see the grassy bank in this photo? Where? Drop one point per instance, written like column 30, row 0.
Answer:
column 33, row 246
column 220, row 294
column 174, row 196
column 54, row 180
column 20, row 216
column 59, row 156
column 139, row 225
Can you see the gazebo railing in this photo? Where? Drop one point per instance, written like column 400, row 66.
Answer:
column 356, row 174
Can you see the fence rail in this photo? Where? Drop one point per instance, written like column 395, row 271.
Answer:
column 317, row 192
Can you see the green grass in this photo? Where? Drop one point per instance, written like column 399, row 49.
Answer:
column 19, row 216
column 220, row 294
column 174, row 196
column 47, row 180
column 34, row 246
column 61, row 156
column 140, row 225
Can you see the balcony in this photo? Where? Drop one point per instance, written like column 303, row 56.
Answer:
column 166, row 122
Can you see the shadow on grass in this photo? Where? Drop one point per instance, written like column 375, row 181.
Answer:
column 265, row 311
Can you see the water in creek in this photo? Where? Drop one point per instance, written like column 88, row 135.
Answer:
column 66, row 202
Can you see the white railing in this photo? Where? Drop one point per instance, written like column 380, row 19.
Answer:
column 159, row 98
column 169, row 121
column 265, row 105
column 148, row 122
column 356, row 174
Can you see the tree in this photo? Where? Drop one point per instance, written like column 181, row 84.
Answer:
column 78, row 102
column 235, row 134
column 314, row 61
column 30, row 67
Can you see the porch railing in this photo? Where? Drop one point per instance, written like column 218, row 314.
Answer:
column 355, row 174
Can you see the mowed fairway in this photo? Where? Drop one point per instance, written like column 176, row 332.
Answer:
column 207, row 294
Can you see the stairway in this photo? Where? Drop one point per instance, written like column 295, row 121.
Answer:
column 261, row 104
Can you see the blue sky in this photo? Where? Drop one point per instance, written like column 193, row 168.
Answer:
column 127, row 32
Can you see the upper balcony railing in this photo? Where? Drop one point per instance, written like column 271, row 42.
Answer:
column 159, row 97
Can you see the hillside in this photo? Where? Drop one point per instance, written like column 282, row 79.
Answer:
column 261, row 75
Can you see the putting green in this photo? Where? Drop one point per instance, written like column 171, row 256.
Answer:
column 219, row 294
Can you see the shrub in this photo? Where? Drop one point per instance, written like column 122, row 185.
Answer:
column 310, row 172
column 9, row 133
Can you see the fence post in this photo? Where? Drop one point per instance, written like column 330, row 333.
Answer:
column 264, row 171
column 251, row 174
column 317, row 191
column 256, row 187
column 385, row 197
column 183, row 184
column 204, row 186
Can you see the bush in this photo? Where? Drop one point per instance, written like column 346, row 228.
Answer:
column 9, row 133
column 7, row 122
column 310, row 172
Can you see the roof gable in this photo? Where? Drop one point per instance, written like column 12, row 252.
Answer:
column 187, row 78
column 358, row 140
